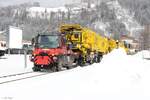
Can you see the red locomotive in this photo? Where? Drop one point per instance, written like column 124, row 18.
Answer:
column 50, row 52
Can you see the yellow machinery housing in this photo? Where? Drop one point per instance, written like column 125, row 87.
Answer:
column 84, row 39
column 112, row 44
column 122, row 45
column 89, row 45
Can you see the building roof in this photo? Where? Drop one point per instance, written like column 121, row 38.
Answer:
column 126, row 37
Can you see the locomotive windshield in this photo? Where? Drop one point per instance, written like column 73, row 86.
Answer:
column 48, row 41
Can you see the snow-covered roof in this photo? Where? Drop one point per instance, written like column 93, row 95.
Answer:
column 42, row 9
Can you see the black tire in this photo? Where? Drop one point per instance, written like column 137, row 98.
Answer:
column 59, row 66
column 54, row 69
column 36, row 68
column 69, row 67
column 95, row 60
column 99, row 58
column 2, row 53
column 81, row 61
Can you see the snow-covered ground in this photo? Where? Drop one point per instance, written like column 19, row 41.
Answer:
column 117, row 77
column 10, row 64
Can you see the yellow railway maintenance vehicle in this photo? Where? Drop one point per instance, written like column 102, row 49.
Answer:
column 88, row 45
column 117, row 44
column 122, row 45
column 112, row 44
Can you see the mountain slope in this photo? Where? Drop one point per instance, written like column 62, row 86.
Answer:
column 108, row 17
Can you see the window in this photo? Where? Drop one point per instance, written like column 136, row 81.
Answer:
column 76, row 35
column 48, row 41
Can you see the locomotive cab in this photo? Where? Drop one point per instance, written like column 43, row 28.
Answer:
column 50, row 52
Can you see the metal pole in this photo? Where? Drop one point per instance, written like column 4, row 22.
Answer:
column 8, row 51
column 25, row 58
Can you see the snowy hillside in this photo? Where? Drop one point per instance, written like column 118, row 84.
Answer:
column 117, row 77
column 124, row 16
column 105, row 17
column 118, row 19
column 44, row 12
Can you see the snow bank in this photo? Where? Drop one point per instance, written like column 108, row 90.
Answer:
column 10, row 64
column 117, row 77
column 143, row 54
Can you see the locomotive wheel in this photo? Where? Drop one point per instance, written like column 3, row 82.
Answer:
column 99, row 58
column 59, row 66
column 91, row 62
column 54, row 69
column 2, row 53
column 81, row 61
column 95, row 60
column 70, row 67
column 36, row 68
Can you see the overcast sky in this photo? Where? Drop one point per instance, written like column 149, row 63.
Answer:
column 45, row 3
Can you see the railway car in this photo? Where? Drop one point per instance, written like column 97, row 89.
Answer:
column 51, row 53
column 2, row 48
column 89, row 45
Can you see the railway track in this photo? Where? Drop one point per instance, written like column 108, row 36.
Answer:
column 11, row 75
column 20, row 76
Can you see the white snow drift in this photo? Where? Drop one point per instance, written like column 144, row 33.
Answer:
column 117, row 77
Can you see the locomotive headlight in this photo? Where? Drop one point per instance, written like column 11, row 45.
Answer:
column 31, row 58
column 54, row 58
column 53, row 54
column 34, row 54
